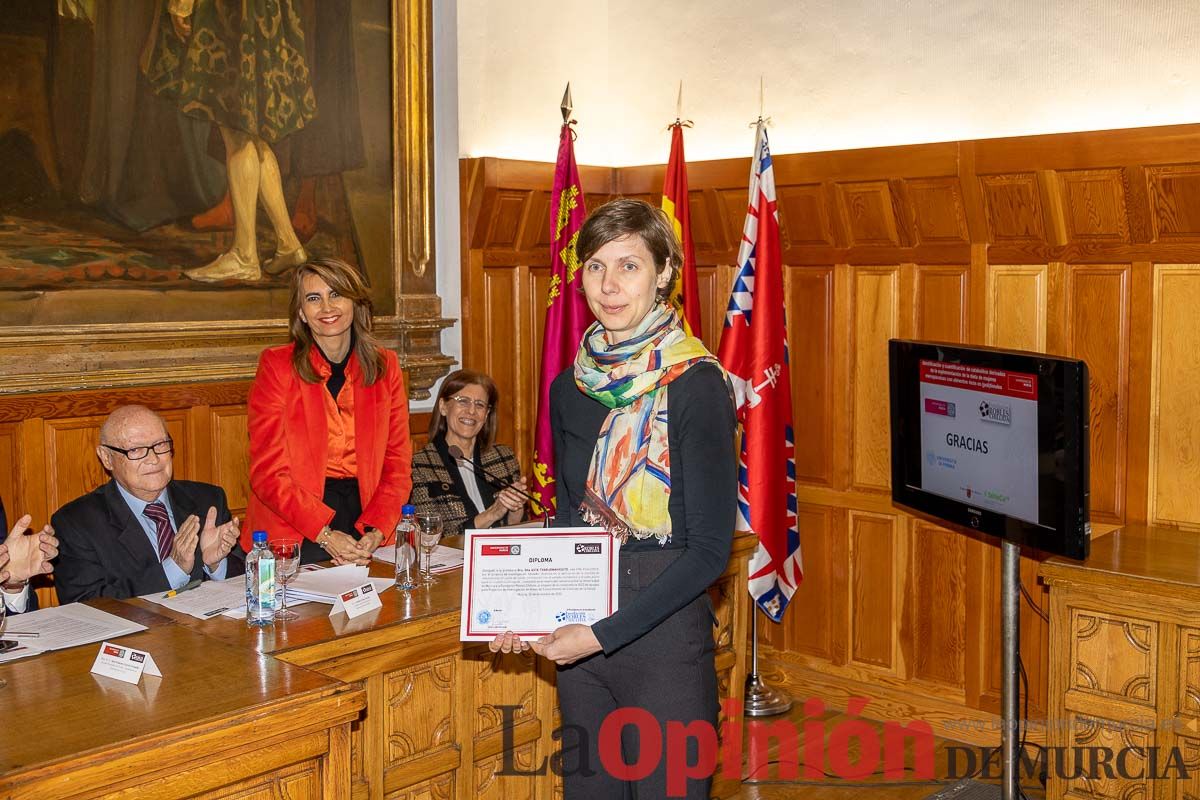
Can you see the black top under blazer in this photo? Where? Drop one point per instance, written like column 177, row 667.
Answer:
column 104, row 551
column 703, row 502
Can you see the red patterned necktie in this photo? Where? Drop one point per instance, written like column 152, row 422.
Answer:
column 162, row 524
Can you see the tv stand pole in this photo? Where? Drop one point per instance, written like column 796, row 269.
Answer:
column 1010, row 626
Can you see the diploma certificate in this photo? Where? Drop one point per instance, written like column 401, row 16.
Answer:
column 531, row 581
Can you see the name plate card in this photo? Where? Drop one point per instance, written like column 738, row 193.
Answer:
column 124, row 663
column 358, row 600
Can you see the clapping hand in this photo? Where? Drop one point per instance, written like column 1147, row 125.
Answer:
column 183, row 550
column 216, row 540
column 513, row 500
column 509, row 505
column 24, row 555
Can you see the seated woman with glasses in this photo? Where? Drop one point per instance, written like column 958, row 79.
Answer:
column 327, row 417
column 461, row 476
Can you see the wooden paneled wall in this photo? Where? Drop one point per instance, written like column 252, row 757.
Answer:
column 1079, row 244
column 48, row 443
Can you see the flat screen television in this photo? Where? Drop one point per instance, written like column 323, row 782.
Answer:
column 992, row 440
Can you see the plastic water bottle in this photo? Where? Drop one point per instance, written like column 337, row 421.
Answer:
column 260, row 582
column 406, row 548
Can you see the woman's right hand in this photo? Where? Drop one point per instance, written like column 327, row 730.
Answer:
column 509, row 503
column 514, row 500
column 343, row 548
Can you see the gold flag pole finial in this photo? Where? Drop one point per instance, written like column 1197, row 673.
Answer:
column 567, row 106
column 762, row 105
column 679, row 122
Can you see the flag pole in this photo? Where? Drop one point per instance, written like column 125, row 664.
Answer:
column 761, row 700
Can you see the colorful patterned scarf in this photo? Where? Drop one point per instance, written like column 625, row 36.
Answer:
column 629, row 481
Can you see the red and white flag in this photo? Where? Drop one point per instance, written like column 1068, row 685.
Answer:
column 755, row 354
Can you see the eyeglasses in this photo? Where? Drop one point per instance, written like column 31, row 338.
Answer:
column 465, row 402
column 138, row 453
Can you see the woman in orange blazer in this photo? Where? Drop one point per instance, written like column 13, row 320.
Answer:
column 330, row 458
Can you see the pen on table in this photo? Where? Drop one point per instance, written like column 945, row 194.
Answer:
column 21, row 634
column 174, row 592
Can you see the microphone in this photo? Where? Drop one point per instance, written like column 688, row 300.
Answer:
column 495, row 481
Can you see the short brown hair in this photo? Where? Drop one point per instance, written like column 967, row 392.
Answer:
column 346, row 281
column 623, row 217
column 454, row 384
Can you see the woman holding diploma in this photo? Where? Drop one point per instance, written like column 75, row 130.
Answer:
column 328, row 422
column 643, row 428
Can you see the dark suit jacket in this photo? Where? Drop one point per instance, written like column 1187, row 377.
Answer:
column 103, row 550
column 31, row 604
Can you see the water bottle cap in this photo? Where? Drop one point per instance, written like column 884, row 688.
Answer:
column 408, row 510
column 259, row 536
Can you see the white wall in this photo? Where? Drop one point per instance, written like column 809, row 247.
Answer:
column 838, row 73
column 445, row 178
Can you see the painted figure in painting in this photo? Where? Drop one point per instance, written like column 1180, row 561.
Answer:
column 329, row 145
column 240, row 65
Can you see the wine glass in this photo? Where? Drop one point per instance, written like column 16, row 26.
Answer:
column 429, row 533
column 287, row 564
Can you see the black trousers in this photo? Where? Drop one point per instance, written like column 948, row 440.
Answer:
column 669, row 672
column 341, row 494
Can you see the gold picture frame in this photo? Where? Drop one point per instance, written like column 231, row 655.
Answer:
column 113, row 334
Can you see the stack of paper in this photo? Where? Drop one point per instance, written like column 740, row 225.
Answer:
column 443, row 559
column 61, row 627
column 206, row 600
column 324, row 586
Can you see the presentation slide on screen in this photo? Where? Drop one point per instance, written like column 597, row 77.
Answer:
column 979, row 437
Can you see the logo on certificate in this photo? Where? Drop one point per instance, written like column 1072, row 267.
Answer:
column 587, row 548
column 500, row 550
column 484, row 617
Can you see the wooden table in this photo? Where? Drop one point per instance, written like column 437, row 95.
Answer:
column 1125, row 661
column 223, row 721
column 387, row 705
column 443, row 719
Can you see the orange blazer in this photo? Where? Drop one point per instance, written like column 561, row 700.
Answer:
column 285, row 417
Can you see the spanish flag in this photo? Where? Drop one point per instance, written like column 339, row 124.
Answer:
column 685, row 296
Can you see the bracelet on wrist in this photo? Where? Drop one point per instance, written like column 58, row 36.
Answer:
column 14, row 587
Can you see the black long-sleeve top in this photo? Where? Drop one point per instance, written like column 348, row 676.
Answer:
column 703, row 502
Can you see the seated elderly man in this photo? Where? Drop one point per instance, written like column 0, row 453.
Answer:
column 141, row 532
column 23, row 555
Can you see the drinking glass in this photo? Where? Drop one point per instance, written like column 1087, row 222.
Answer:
column 287, row 564
column 429, row 533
